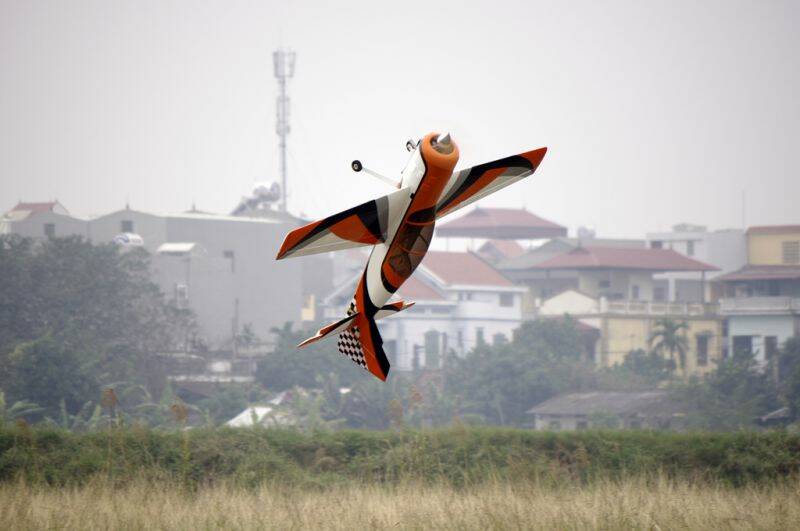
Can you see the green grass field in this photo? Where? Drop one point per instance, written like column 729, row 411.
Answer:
column 459, row 478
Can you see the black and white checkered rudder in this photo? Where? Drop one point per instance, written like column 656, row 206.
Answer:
column 350, row 345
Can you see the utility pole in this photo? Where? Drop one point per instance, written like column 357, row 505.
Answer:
column 283, row 62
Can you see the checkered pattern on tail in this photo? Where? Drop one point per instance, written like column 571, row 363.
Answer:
column 350, row 345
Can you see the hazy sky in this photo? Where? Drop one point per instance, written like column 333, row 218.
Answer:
column 654, row 112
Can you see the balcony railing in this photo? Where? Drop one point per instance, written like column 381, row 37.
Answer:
column 629, row 307
column 759, row 305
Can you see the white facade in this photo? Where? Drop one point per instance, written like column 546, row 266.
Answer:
column 761, row 324
column 452, row 318
column 725, row 249
column 228, row 278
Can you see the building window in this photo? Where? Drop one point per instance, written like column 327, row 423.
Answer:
column 50, row 230
column 507, row 300
column 230, row 255
column 479, row 340
column 690, row 248
column 770, row 347
column 791, row 252
column 604, row 284
column 702, row 350
column 499, row 339
column 656, row 244
column 635, row 292
column 432, row 349
column 126, row 225
column 742, row 345
column 659, row 294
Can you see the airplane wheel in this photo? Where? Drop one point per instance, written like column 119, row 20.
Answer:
column 356, row 165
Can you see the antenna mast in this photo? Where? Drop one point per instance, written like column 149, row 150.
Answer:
column 283, row 63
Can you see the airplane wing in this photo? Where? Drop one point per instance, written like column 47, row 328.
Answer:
column 470, row 184
column 365, row 224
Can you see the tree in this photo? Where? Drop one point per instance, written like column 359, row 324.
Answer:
column 651, row 366
column 289, row 367
column 47, row 373
column 731, row 397
column 92, row 304
column 788, row 372
column 500, row 383
column 669, row 335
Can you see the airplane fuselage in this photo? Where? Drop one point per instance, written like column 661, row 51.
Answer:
column 393, row 261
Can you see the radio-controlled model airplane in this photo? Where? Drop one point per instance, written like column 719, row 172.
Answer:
column 399, row 226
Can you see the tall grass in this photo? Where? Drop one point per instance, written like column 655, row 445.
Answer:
column 634, row 503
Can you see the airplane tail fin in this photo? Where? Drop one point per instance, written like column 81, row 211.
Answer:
column 359, row 338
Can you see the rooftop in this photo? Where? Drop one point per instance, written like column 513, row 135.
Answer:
column 646, row 403
column 655, row 260
column 463, row 268
column 774, row 229
column 503, row 248
column 763, row 272
column 417, row 290
column 502, row 223
column 23, row 209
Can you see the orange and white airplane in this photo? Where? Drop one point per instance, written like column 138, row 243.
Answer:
column 399, row 226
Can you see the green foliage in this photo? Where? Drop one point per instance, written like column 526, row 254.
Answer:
column 730, row 398
column 670, row 336
column 17, row 410
column 651, row 366
column 788, row 374
column 500, row 383
column 458, row 456
column 80, row 315
column 48, row 373
column 290, row 367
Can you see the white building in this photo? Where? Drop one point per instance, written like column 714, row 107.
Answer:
column 41, row 220
column 461, row 302
column 222, row 267
column 761, row 300
column 725, row 249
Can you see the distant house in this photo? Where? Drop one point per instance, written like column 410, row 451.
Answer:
column 541, row 283
column 41, row 220
column 724, row 248
column 761, row 300
column 624, row 326
column 461, row 301
column 501, row 224
column 496, row 250
column 221, row 267
column 605, row 409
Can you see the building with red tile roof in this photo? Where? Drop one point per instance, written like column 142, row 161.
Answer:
column 460, row 302
column 453, row 268
column 496, row 250
column 501, row 223
column 653, row 260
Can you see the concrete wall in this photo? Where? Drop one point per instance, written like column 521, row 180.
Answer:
column 760, row 326
column 263, row 292
column 34, row 226
column 621, row 284
column 621, row 334
column 767, row 249
column 151, row 228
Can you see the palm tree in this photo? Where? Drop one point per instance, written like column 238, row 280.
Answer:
column 667, row 335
